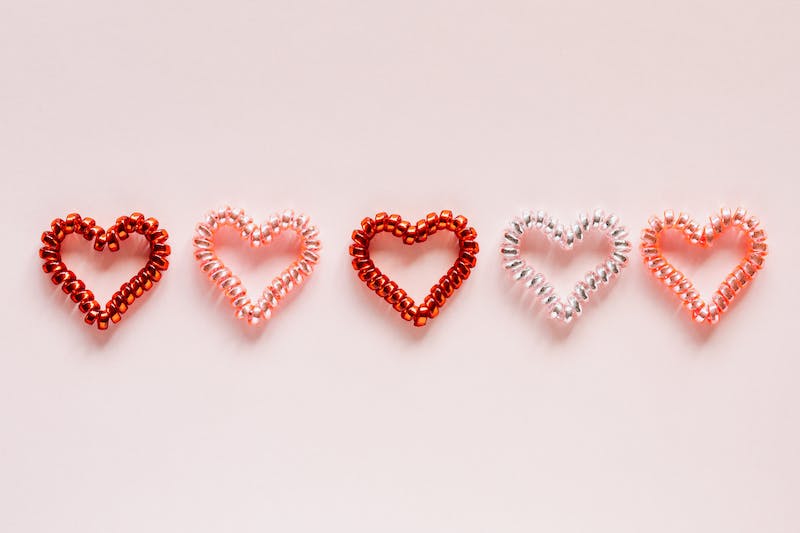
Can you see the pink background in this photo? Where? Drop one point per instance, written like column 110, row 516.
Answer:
column 338, row 416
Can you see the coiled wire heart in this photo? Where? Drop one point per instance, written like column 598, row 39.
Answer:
column 259, row 309
column 700, row 310
column 102, row 239
column 571, row 307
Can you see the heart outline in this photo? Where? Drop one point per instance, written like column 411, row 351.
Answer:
column 273, row 294
column 129, row 291
column 411, row 234
column 701, row 311
column 559, row 308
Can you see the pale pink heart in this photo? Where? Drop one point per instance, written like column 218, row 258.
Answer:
column 256, row 309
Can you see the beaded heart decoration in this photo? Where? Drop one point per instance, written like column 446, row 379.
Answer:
column 700, row 310
column 135, row 287
column 571, row 307
column 412, row 234
column 259, row 309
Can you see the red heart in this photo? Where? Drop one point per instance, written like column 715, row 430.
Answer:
column 411, row 234
column 130, row 290
column 701, row 310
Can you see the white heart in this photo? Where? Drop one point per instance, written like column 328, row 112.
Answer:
column 565, row 309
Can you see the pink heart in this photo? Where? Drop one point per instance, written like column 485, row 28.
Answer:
column 258, row 309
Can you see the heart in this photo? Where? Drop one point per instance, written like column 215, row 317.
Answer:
column 700, row 310
column 246, row 308
column 412, row 234
column 604, row 273
column 113, row 237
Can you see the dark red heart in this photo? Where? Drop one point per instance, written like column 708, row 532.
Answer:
column 111, row 238
column 411, row 234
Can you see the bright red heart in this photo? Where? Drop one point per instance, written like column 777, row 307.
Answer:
column 411, row 234
column 694, row 233
column 130, row 290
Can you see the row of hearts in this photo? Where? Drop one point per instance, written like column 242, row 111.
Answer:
column 256, row 310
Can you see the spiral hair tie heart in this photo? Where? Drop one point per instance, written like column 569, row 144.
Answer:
column 700, row 310
column 571, row 307
column 259, row 309
column 410, row 234
column 111, row 238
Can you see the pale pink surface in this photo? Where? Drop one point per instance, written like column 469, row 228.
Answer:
column 337, row 416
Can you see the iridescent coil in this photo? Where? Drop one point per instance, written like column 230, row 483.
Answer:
column 571, row 307
column 700, row 310
column 259, row 309
column 143, row 281
column 411, row 233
